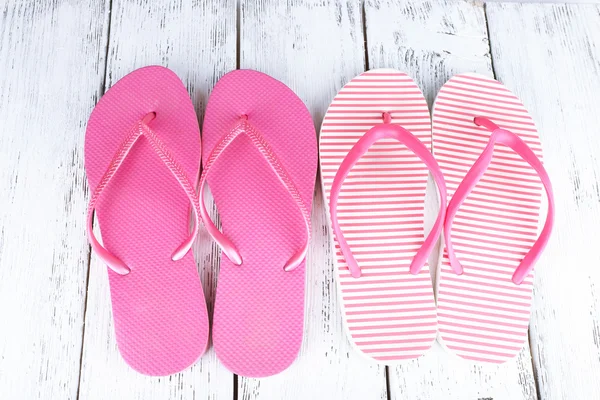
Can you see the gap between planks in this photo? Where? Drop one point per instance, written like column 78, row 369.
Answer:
column 101, row 92
column 533, row 366
column 363, row 14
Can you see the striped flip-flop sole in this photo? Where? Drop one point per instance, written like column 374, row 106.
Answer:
column 389, row 314
column 483, row 315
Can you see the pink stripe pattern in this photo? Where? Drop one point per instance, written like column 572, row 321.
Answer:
column 389, row 314
column 483, row 315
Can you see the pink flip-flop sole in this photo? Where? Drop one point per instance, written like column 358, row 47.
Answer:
column 159, row 310
column 259, row 308
column 483, row 315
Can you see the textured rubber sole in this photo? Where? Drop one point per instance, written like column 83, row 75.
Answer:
column 161, row 322
column 259, row 308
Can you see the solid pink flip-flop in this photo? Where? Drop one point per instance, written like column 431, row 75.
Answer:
column 259, row 160
column 142, row 156
column 489, row 150
column 375, row 157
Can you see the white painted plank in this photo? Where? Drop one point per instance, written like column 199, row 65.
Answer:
column 554, row 67
column 198, row 42
column 314, row 48
column 432, row 41
column 51, row 70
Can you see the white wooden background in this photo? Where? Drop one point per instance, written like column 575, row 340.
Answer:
column 58, row 57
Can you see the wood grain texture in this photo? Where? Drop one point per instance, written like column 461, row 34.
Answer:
column 431, row 41
column 314, row 48
column 555, row 68
column 52, row 72
column 51, row 69
column 198, row 42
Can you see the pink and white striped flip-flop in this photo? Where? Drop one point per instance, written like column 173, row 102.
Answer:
column 375, row 157
column 260, row 161
column 142, row 156
column 489, row 150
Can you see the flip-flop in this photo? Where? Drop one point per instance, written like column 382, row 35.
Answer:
column 259, row 160
column 374, row 150
column 489, row 150
column 142, row 156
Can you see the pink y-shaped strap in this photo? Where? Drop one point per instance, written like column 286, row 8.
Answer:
column 388, row 131
column 141, row 129
column 507, row 138
column 243, row 126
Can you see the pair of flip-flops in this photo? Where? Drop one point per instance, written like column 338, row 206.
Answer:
column 375, row 155
column 142, row 159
